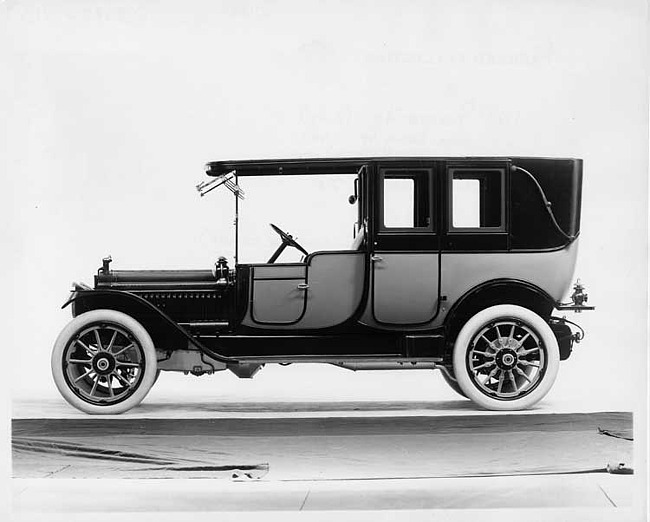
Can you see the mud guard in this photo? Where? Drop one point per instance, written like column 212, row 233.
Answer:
column 82, row 294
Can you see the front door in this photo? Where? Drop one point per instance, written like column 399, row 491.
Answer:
column 405, row 256
column 278, row 294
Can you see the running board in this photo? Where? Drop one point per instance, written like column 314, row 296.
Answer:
column 373, row 362
column 389, row 365
column 281, row 348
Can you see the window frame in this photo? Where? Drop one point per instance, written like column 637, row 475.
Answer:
column 450, row 200
column 415, row 174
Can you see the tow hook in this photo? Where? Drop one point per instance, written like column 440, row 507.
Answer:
column 577, row 337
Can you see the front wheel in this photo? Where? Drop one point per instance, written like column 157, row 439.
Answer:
column 104, row 362
column 506, row 358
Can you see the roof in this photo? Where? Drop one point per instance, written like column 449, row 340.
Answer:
column 274, row 167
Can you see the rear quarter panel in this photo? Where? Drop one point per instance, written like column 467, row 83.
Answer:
column 550, row 271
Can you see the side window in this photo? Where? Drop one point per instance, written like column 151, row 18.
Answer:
column 476, row 201
column 399, row 202
column 406, row 199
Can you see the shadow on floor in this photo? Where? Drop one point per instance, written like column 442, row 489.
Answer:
column 307, row 407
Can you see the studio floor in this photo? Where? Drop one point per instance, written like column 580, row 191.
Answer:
column 377, row 441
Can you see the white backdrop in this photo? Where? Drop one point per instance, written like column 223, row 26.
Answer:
column 112, row 108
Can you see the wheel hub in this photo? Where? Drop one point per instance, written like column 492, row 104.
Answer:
column 103, row 363
column 506, row 359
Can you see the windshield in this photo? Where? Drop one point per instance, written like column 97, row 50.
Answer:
column 314, row 209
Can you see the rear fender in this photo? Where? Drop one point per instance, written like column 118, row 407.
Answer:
column 491, row 293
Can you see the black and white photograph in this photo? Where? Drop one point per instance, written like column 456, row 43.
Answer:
column 367, row 260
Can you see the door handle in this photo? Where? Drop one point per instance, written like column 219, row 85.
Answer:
column 375, row 258
column 303, row 286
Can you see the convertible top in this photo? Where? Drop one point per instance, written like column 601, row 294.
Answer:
column 275, row 167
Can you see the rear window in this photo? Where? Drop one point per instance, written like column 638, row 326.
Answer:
column 476, row 200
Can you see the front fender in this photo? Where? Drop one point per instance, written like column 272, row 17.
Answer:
column 160, row 326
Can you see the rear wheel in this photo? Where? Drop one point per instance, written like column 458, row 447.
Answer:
column 104, row 362
column 506, row 358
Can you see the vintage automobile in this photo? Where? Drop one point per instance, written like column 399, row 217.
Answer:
column 457, row 264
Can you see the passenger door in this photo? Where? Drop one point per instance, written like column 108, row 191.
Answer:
column 405, row 250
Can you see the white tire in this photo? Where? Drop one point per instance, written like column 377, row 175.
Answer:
column 104, row 362
column 506, row 357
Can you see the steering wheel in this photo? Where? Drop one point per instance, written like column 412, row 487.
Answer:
column 287, row 240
